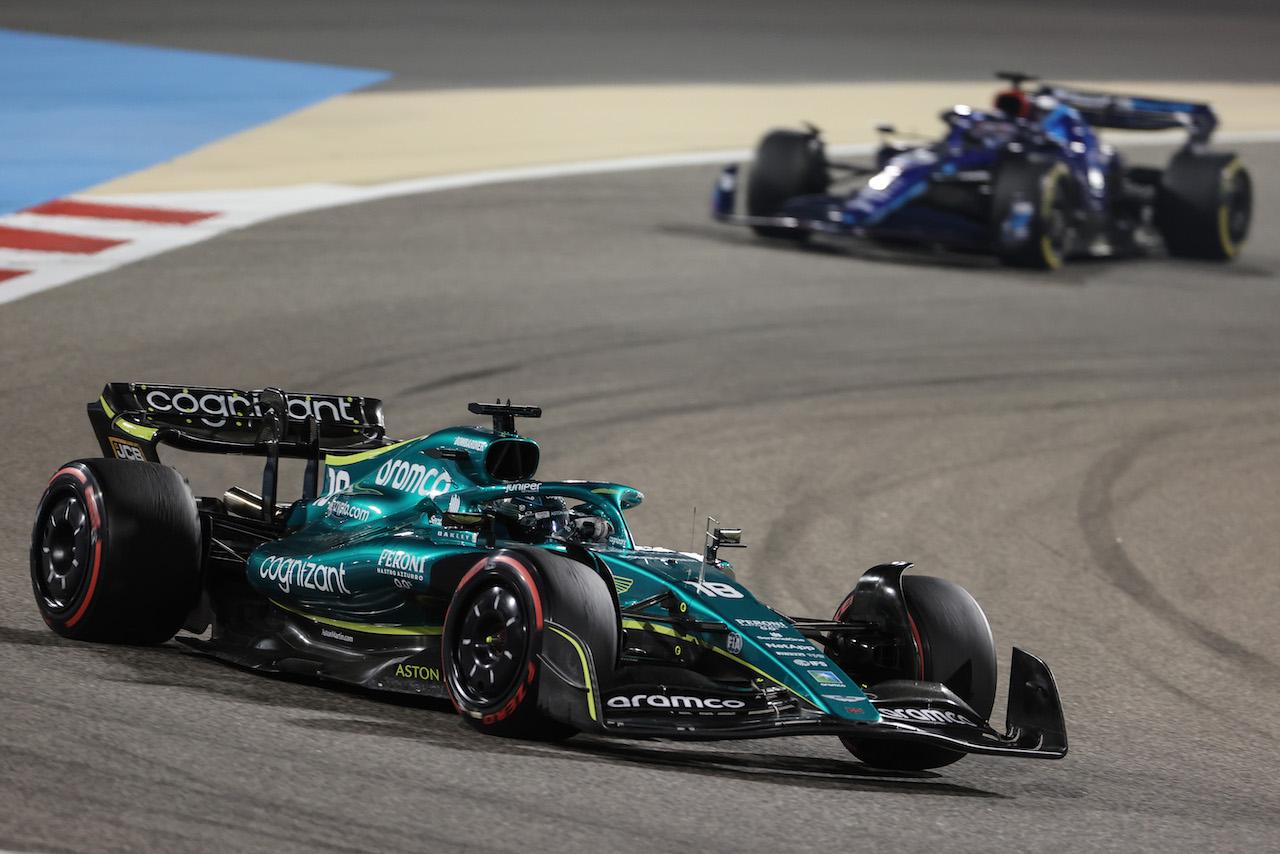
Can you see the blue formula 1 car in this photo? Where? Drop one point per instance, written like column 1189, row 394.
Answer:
column 1027, row 181
column 439, row 566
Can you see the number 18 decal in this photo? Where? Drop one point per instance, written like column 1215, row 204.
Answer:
column 715, row 589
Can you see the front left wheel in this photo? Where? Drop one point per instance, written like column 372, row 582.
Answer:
column 507, row 612
column 1032, row 213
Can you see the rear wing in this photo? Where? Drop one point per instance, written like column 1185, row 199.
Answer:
column 132, row 419
column 1133, row 112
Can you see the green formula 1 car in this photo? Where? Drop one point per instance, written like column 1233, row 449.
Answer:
column 439, row 566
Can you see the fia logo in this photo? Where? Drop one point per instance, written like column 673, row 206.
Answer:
column 734, row 643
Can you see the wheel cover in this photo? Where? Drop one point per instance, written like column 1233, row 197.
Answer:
column 65, row 542
column 493, row 645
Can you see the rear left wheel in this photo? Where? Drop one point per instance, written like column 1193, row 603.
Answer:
column 115, row 552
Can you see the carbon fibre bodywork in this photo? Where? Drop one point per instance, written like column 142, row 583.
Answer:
column 354, row 582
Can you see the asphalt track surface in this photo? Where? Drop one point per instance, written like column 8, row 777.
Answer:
column 464, row 43
column 1093, row 454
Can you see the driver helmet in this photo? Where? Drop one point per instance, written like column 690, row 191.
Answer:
column 1014, row 103
column 588, row 528
column 533, row 518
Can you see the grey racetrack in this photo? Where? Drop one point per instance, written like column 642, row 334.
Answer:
column 1094, row 454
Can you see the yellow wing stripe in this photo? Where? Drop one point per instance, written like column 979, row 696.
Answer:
column 344, row 459
column 586, row 667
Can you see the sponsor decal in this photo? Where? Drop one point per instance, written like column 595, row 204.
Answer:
column 336, row 635
column 470, row 444
column 827, row 678
column 800, row 662
column 289, row 572
column 512, row 704
column 125, row 450
column 1017, row 226
column 927, row 716
column 341, row 508
column 617, row 542
column 622, row 584
column 465, row 537
column 782, row 645
column 522, row 487
column 1092, row 101
column 414, row 671
column 413, row 477
column 734, row 643
column 401, row 565
column 214, row 407
column 679, row 702
column 767, row 625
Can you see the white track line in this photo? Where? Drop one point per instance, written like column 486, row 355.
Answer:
column 239, row 209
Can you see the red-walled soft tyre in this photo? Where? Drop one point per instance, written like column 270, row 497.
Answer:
column 494, row 632
column 115, row 552
column 956, row 649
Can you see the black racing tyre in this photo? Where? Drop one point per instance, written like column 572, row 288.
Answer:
column 1204, row 205
column 495, row 630
column 956, row 649
column 115, row 552
column 1031, row 209
column 787, row 164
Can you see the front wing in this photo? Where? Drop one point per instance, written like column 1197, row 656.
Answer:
column 825, row 215
column 909, row 711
